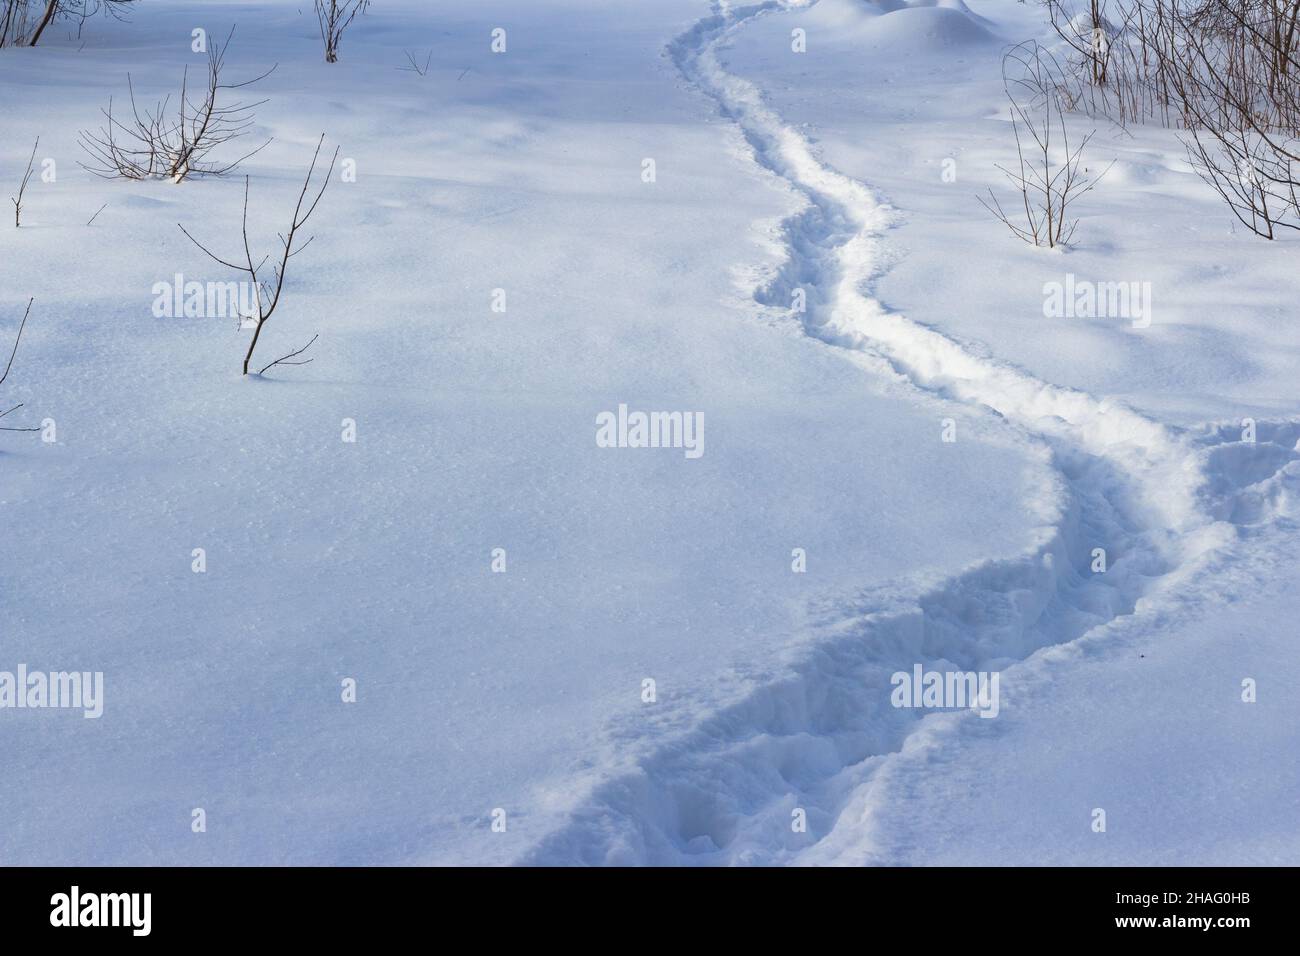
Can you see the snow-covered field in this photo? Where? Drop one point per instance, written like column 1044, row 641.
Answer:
column 568, row 653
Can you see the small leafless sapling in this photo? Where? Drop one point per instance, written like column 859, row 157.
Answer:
column 22, row 187
column 1049, row 177
column 9, row 365
column 267, row 291
column 153, row 143
column 334, row 17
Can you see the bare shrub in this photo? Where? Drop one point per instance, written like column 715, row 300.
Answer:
column 1050, row 174
column 1115, row 48
column 1225, row 72
column 334, row 17
column 1239, row 91
column 22, row 22
column 267, row 292
column 155, row 144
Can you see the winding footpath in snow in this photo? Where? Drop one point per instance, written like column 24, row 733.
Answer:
column 1159, row 501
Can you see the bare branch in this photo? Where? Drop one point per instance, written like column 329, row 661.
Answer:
column 17, row 339
column 414, row 64
column 9, row 366
column 285, row 359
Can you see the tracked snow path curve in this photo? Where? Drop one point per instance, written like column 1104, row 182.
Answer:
column 723, row 792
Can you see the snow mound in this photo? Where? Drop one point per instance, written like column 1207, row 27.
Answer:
column 918, row 26
column 924, row 29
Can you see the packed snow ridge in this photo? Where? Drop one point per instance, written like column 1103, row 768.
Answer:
column 1159, row 502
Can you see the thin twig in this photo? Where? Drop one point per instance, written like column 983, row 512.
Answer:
column 285, row 359
column 414, row 66
column 8, row 428
column 18, row 339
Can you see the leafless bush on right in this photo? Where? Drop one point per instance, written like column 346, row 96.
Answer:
column 1225, row 72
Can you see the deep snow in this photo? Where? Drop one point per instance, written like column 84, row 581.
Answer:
column 523, row 690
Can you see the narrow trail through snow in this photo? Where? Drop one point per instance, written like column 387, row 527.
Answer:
column 1157, row 500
